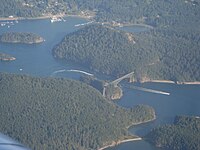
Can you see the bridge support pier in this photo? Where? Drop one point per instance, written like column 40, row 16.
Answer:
column 132, row 78
column 104, row 91
column 112, row 90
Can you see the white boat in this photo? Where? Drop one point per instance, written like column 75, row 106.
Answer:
column 3, row 24
column 55, row 19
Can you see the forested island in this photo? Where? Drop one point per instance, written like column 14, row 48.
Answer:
column 21, row 37
column 6, row 57
column 182, row 135
column 52, row 113
column 152, row 55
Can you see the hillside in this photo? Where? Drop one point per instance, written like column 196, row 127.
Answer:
column 21, row 37
column 17, row 9
column 153, row 12
column 48, row 114
column 182, row 135
column 156, row 54
column 98, row 47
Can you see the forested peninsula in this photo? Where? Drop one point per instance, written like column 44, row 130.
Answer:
column 152, row 55
column 21, row 37
column 52, row 113
column 6, row 57
column 182, row 135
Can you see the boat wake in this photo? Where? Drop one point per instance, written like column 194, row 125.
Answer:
column 72, row 70
column 80, row 71
column 83, row 24
column 59, row 71
column 148, row 90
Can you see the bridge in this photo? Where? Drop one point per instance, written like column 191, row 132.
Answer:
column 114, row 84
column 109, row 89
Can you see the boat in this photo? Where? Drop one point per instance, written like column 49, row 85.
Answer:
column 55, row 19
column 83, row 24
column 3, row 24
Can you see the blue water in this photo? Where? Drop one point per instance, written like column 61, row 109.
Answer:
column 183, row 100
column 37, row 60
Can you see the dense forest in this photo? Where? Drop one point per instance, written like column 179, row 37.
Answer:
column 49, row 113
column 170, row 50
column 155, row 54
column 153, row 12
column 20, row 37
column 93, row 81
column 182, row 135
column 98, row 47
column 16, row 8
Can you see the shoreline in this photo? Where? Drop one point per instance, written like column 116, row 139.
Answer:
column 142, row 122
column 189, row 83
column 43, row 17
column 136, row 138
column 120, row 142
column 8, row 59
column 125, row 24
column 172, row 82
column 48, row 16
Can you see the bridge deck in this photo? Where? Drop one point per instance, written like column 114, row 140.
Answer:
column 115, row 82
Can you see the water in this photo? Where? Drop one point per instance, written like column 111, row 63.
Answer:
column 37, row 60
column 183, row 100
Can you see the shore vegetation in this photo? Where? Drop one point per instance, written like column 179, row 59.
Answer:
column 182, row 135
column 51, row 113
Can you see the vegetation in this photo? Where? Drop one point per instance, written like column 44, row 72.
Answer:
column 156, row 54
column 170, row 51
column 182, row 135
column 111, row 92
column 20, row 37
column 16, row 8
column 6, row 57
column 92, row 81
column 156, row 13
column 48, row 113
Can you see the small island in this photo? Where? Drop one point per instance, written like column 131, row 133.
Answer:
column 112, row 93
column 182, row 135
column 6, row 57
column 21, row 37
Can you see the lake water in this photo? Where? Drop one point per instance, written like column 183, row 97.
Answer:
column 37, row 60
